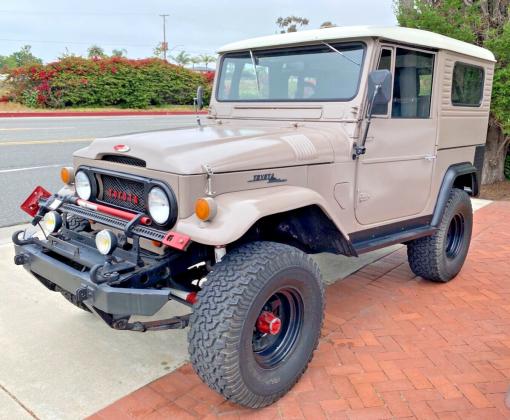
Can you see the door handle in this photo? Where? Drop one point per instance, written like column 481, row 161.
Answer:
column 430, row 157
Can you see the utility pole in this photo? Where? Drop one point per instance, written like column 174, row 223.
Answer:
column 164, row 45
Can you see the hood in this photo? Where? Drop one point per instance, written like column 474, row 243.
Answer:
column 224, row 148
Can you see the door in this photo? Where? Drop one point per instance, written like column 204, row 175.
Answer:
column 394, row 176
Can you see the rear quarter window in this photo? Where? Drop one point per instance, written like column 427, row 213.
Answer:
column 467, row 85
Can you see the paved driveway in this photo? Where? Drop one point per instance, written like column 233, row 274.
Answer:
column 393, row 346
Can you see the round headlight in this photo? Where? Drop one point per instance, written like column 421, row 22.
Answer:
column 159, row 205
column 51, row 222
column 82, row 185
column 106, row 242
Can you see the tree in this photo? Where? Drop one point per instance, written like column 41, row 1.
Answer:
column 291, row 23
column 119, row 52
column 485, row 23
column 207, row 59
column 194, row 61
column 23, row 57
column 182, row 59
column 327, row 24
column 95, row 51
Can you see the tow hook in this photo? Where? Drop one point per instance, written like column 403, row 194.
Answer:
column 21, row 259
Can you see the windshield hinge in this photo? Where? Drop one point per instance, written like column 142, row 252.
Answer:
column 209, row 188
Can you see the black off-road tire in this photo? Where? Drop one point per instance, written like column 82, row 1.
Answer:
column 441, row 256
column 222, row 334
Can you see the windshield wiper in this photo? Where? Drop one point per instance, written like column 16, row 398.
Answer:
column 255, row 70
column 341, row 53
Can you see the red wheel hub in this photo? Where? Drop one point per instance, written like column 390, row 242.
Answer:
column 269, row 323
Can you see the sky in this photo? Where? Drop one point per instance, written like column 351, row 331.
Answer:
column 196, row 26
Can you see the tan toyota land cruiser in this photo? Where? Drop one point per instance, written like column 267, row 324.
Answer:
column 339, row 140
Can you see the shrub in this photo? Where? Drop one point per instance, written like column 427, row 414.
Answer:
column 115, row 81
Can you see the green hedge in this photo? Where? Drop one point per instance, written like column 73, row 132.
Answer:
column 115, row 81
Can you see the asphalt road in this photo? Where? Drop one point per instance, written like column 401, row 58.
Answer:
column 32, row 150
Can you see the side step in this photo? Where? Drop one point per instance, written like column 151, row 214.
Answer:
column 377, row 242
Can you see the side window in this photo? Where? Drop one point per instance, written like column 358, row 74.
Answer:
column 384, row 64
column 412, row 86
column 467, row 85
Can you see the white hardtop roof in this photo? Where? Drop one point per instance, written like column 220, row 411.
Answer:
column 391, row 33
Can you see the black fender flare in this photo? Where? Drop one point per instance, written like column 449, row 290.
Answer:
column 451, row 175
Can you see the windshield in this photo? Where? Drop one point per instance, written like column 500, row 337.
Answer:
column 326, row 72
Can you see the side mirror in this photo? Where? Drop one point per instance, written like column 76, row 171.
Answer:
column 379, row 93
column 199, row 100
column 379, row 88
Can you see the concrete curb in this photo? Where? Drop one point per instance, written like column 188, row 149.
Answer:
column 93, row 113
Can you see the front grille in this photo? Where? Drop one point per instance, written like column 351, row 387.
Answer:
column 124, row 193
column 125, row 160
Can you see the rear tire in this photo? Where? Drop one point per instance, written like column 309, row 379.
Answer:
column 441, row 256
column 227, row 345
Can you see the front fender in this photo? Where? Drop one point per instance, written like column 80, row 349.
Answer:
column 238, row 211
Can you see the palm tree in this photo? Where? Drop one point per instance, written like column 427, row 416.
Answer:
column 194, row 61
column 206, row 59
column 182, row 59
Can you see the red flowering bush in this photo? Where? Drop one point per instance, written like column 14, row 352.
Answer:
column 209, row 76
column 115, row 81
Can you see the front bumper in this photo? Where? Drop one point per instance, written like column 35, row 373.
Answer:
column 38, row 257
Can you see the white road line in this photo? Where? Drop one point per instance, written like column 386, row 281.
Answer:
column 34, row 128
column 35, row 142
column 31, row 168
column 126, row 118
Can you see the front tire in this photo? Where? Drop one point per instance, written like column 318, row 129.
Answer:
column 257, row 322
column 441, row 256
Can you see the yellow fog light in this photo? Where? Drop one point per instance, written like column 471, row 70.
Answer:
column 205, row 208
column 67, row 175
column 106, row 242
column 51, row 222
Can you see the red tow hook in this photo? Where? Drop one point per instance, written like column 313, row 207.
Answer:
column 269, row 323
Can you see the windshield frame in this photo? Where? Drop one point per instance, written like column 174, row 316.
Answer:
column 335, row 43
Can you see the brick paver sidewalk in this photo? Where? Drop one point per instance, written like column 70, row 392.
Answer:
column 392, row 346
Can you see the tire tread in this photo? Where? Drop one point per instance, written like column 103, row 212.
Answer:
column 218, row 316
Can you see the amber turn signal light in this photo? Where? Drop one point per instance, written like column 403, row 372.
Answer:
column 205, row 208
column 67, row 175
